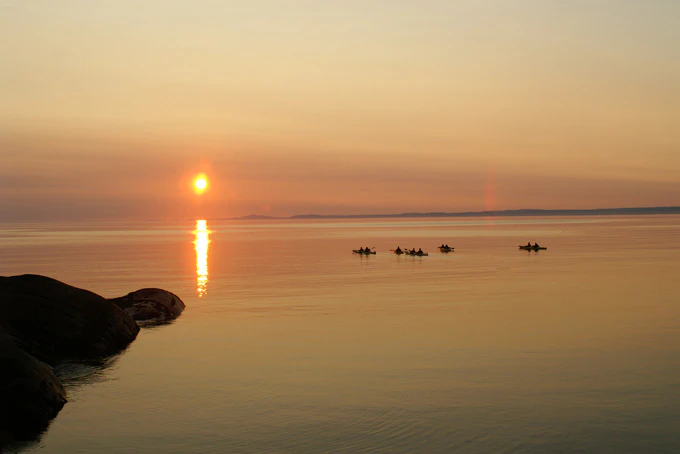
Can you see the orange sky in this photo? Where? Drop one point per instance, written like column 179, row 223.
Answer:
column 107, row 109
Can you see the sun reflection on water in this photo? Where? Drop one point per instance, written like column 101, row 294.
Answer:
column 201, row 244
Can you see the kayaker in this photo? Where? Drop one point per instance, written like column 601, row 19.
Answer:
column 367, row 249
column 442, row 246
column 361, row 250
column 397, row 250
column 529, row 244
column 447, row 246
column 536, row 245
column 420, row 251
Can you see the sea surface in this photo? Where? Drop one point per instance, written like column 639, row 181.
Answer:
column 292, row 344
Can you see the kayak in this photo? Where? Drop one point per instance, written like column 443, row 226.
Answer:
column 397, row 252
column 533, row 248
column 417, row 254
column 445, row 249
column 357, row 251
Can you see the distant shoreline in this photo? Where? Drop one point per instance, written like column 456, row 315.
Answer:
column 497, row 213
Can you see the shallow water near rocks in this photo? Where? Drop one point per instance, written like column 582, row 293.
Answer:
column 290, row 343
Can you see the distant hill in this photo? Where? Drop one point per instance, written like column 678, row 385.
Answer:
column 498, row 213
column 522, row 212
column 253, row 217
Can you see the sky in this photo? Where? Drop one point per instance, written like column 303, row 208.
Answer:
column 109, row 108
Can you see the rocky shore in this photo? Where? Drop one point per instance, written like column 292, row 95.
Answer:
column 44, row 322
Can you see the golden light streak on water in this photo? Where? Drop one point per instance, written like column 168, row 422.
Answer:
column 201, row 245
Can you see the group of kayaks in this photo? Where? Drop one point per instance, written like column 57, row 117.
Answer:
column 532, row 247
column 444, row 248
column 418, row 253
column 366, row 251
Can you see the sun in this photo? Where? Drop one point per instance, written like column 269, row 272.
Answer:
column 200, row 184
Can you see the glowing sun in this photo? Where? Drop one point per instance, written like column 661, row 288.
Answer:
column 200, row 184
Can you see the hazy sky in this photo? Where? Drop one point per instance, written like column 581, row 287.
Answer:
column 108, row 108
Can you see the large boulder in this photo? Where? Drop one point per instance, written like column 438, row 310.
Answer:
column 151, row 305
column 54, row 320
column 30, row 393
column 42, row 319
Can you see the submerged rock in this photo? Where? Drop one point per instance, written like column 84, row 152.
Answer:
column 54, row 320
column 151, row 305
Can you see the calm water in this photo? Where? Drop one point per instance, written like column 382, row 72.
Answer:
column 292, row 344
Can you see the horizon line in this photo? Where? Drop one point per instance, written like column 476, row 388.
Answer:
column 488, row 213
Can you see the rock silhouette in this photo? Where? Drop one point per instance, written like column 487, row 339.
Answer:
column 55, row 321
column 44, row 321
column 150, row 305
column 30, row 394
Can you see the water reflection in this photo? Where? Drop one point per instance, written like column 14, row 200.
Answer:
column 201, row 244
column 79, row 372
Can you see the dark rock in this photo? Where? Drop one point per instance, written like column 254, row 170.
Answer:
column 42, row 319
column 54, row 320
column 30, row 393
column 151, row 305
